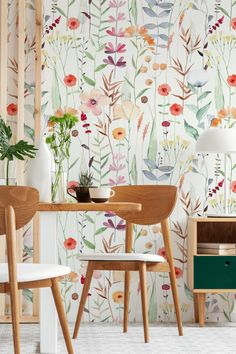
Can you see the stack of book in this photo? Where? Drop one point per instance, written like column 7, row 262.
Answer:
column 222, row 249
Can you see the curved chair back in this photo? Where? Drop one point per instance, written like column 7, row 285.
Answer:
column 157, row 201
column 24, row 201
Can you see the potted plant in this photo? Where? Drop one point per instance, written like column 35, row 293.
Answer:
column 20, row 150
column 82, row 189
column 59, row 141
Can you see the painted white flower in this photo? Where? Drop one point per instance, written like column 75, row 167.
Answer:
column 198, row 77
column 127, row 110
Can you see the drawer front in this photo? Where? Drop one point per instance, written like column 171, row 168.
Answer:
column 215, row 272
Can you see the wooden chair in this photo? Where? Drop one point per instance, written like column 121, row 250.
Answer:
column 157, row 204
column 17, row 207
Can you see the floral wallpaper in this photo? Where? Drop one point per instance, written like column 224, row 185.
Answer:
column 145, row 78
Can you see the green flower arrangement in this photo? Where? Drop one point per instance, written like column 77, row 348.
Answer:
column 59, row 141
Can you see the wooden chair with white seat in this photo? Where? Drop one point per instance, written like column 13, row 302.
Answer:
column 157, row 202
column 17, row 207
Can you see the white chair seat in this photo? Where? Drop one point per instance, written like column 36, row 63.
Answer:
column 122, row 257
column 31, row 271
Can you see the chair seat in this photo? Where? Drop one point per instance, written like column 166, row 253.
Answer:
column 122, row 257
column 32, row 271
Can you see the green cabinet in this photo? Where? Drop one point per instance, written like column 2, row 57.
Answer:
column 214, row 272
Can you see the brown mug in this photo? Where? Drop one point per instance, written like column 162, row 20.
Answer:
column 82, row 194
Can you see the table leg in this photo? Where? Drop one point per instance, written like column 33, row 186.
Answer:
column 196, row 315
column 128, row 249
column 201, row 308
column 48, row 255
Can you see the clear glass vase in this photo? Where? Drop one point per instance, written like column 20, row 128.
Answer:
column 59, row 187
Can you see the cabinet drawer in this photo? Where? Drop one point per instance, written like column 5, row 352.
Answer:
column 215, row 272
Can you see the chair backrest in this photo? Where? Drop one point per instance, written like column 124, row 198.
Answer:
column 24, row 201
column 157, row 201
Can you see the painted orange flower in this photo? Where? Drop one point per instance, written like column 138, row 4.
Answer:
column 178, row 273
column 232, row 80
column 61, row 112
column 215, row 122
column 162, row 252
column 164, row 89
column 136, row 31
column 119, row 133
column 233, row 23
column 12, row 109
column 70, row 80
column 176, row 109
column 70, row 243
column 233, row 186
column 118, row 297
column 73, row 23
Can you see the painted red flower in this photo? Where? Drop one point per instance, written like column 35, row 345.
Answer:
column 165, row 123
column 70, row 243
column 162, row 252
column 82, row 279
column 178, row 272
column 233, row 186
column 73, row 23
column 164, row 89
column 70, row 80
column 176, row 109
column 12, row 109
column 232, row 80
column 233, row 23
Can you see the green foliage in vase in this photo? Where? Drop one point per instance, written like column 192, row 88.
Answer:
column 86, row 179
column 21, row 150
column 59, row 142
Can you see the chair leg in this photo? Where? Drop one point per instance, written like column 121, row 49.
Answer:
column 83, row 299
column 143, row 287
column 126, row 301
column 201, row 308
column 61, row 314
column 15, row 318
column 196, row 314
column 166, row 237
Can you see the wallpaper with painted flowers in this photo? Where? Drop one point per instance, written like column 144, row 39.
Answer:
column 146, row 79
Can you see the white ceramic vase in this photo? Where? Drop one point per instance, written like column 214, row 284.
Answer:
column 38, row 171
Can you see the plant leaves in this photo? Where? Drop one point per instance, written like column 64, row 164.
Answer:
column 165, row 5
column 190, row 130
column 202, row 111
column 100, row 230
column 149, row 11
column 89, row 244
column 88, row 80
column 150, row 25
column 149, row 175
column 150, row 164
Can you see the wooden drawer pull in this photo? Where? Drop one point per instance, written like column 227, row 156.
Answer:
column 227, row 264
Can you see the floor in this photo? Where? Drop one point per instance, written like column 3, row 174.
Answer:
column 107, row 339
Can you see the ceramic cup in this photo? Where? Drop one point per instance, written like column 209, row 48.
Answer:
column 101, row 195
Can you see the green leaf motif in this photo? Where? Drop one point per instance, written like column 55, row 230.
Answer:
column 134, row 11
column 134, row 173
column 89, row 244
column 56, row 96
column 219, row 95
column 203, row 95
column 188, row 292
column 100, row 67
column 202, row 111
column 88, row 55
column 191, row 131
column 152, row 148
column 88, row 80
column 100, row 230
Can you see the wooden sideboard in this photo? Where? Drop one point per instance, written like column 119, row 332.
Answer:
column 210, row 273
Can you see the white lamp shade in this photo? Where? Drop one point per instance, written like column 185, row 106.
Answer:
column 217, row 140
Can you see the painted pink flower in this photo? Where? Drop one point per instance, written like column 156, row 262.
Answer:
column 120, row 180
column 178, row 272
column 70, row 243
column 109, row 49
column 120, row 17
column 116, row 3
column 73, row 23
column 233, row 186
column 165, row 123
column 109, row 224
column 116, row 167
column 71, row 185
column 70, row 80
column 113, row 32
column 233, row 23
column 93, row 101
column 97, row 274
column 162, row 252
column 164, row 89
column 120, row 62
column 176, row 109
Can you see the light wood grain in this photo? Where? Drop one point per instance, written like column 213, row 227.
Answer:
column 144, row 298
column 192, row 250
column 38, row 67
column 3, row 58
column 115, row 207
column 17, row 206
column 157, row 202
column 201, row 298
column 128, row 249
column 23, row 319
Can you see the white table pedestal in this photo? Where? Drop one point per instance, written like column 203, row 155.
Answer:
column 48, row 255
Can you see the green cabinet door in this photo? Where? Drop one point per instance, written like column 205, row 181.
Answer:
column 214, row 272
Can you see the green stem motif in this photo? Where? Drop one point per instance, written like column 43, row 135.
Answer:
column 7, row 172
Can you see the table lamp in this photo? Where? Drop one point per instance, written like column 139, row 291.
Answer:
column 220, row 141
